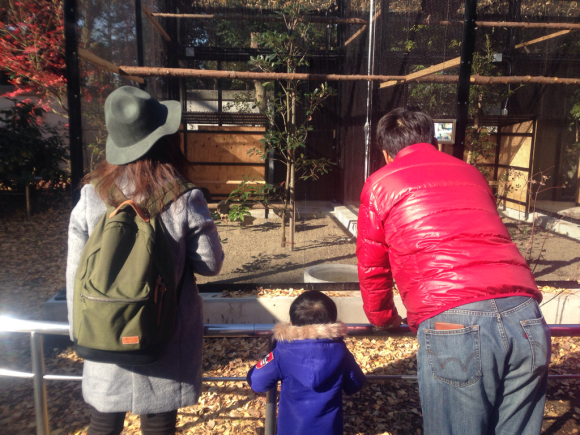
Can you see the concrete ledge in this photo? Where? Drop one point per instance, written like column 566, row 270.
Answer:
column 556, row 308
column 272, row 310
column 347, row 217
column 561, row 309
column 546, row 222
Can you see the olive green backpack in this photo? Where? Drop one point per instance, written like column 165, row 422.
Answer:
column 125, row 295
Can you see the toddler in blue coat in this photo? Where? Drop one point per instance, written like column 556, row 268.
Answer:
column 314, row 365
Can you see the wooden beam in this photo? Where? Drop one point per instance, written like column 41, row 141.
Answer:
column 243, row 75
column 456, row 61
column 361, row 30
column 543, row 38
column 518, row 24
column 156, row 24
column 425, row 72
column 102, row 63
column 264, row 18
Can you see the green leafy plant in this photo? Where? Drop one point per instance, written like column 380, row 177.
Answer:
column 290, row 110
column 572, row 161
column 480, row 148
column 437, row 100
column 29, row 149
column 246, row 193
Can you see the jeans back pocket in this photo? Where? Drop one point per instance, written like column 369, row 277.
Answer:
column 454, row 355
column 538, row 334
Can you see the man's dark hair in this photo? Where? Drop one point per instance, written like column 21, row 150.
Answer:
column 401, row 128
column 311, row 308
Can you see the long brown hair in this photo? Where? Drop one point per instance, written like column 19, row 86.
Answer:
column 162, row 163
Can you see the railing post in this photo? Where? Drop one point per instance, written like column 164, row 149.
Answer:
column 271, row 422
column 40, row 406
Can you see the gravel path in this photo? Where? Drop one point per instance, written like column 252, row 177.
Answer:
column 253, row 252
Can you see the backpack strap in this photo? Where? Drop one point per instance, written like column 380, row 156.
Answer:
column 135, row 206
column 163, row 197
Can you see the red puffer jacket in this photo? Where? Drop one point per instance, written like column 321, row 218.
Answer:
column 430, row 221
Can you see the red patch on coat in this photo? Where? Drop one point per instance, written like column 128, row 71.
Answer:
column 265, row 361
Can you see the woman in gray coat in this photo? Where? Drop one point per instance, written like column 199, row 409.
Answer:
column 142, row 154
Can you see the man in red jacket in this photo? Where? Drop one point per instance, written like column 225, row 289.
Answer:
column 430, row 222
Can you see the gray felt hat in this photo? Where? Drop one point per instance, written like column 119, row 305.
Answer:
column 135, row 121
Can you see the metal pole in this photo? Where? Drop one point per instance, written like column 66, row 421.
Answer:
column 467, row 47
column 370, row 70
column 139, row 37
column 40, row 406
column 183, row 85
column 270, row 423
column 73, row 88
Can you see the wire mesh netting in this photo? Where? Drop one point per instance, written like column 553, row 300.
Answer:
column 517, row 130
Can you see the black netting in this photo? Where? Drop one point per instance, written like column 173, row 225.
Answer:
column 400, row 38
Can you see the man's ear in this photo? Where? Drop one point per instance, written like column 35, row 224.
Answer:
column 388, row 158
column 435, row 143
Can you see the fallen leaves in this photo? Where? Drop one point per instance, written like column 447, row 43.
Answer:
column 33, row 255
column 548, row 289
column 261, row 292
column 233, row 408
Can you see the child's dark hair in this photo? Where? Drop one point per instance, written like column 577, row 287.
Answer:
column 311, row 308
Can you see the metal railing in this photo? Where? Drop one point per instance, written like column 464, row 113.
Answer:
column 37, row 329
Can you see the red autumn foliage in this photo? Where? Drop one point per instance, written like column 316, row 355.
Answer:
column 32, row 49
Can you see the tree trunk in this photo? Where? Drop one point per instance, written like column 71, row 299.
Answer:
column 578, row 171
column 260, row 90
column 27, row 193
column 286, row 198
column 292, row 220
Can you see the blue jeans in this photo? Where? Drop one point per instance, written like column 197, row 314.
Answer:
column 490, row 376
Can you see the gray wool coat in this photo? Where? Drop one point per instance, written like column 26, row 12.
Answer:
column 175, row 380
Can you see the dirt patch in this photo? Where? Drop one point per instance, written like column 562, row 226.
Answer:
column 253, row 253
column 33, row 254
column 551, row 256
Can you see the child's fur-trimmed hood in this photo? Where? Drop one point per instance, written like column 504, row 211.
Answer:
column 288, row 333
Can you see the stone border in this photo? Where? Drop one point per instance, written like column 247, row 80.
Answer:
column 348, row 216
column 549, row 223
column 556, row 308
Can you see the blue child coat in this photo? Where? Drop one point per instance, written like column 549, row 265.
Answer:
column 314, row 366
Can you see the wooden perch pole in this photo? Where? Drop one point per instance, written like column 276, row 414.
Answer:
column 156, row 24
column 242, row 75
column 485, row 80
column 455, row 62
column 425, row 72
column 518, row 24
column 543, row 38
column 265, row 18
column 104, row 64
column 361, row 30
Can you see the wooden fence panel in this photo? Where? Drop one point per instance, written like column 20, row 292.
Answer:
column 220, row 158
